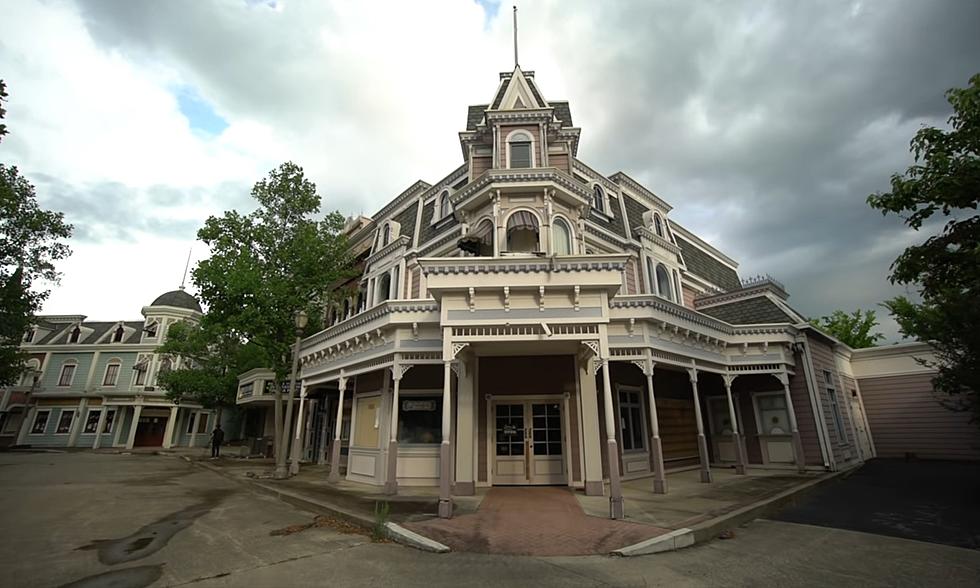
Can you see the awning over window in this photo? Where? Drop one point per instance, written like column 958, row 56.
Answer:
column 522, row 220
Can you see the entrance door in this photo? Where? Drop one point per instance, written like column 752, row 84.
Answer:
column 528, row 442
column 150, row 431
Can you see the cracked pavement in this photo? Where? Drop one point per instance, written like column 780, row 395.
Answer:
column 60, row 511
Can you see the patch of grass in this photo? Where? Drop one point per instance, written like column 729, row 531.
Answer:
column 382, row 510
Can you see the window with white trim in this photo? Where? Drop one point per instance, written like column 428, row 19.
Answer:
column 189, row 429
column 445, row 206
column 92, row 420
column 151, row 330
column 64, row 422
column 772, row 415
column 31, row 373
column 74, row 335
column 664, row 287
column 420, row 419
column 40, row 422
column 631, row 420
column 561, row 237
column 118, row 335
column 140, row 369
column 484, row 233
column 522, row 232
column 29, row 336
column 384, row 287
column 658, row 226
column 67, row 374
column 828, row 378
column 519, row 150
column 111, row 374
column 598, row 198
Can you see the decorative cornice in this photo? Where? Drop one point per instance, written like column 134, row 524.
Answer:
column 545, row 114
column 447, row 181
column 412, row 190
column 534, row 174
column 401, row 241
column 385, row 308
column 646, row 232
column 595, row 176
column 668, row 307
column 632, row 184
column 504, row 265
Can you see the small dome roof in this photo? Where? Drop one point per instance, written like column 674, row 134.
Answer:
column 178, row 298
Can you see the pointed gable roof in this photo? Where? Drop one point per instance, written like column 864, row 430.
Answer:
column 518, row 91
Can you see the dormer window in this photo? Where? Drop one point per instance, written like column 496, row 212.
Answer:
column 658, row 225
column 598, row 199
column 519, row 150
column 74, row 335
column 117, row 337
column 445, row 208
column 29, row 336
column 150, row 330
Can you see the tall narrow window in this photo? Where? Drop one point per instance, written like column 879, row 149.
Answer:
column 658, row 225
column 73, row 336
column 598, row 198
column 561, row 237
column 664, row 289
column 140, row 368
column 29, row 336
column 40, row 422
column 385, row 234
column 519, row 146
column 835, row 407
column 92, row 420
column 384, row 288
column 117, row 337
column 484, row 233
column 64, row 422
column 522, row 232
column 67, row 374
column 631, row 420
column 444, row 207
column 111, row 374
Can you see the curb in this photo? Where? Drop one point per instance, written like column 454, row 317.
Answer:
column 402, row 535
column 396, row 532
column 708, row 530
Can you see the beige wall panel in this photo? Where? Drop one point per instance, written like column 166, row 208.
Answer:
column 689, row 294
column 905, row 416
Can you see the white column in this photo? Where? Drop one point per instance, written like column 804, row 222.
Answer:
column 76, row 426
column 335, row 450
column 445, row 467
column 168, row 433
column 465, row 430
column 616, row 508
column 736, row 437
column 391, row 479
column 26, row 424
column 99, row 428
column 117, row 422
column 297, row 448
column 656, row 446
column 135, row 423
column 197, row 423
column 797, row 442
column 591, row 436
column 702, row 442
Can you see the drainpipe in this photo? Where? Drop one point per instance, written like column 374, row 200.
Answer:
column 811, row 384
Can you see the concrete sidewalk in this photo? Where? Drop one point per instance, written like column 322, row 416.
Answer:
column 694, row 511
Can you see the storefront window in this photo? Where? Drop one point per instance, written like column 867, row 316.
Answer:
column 631, row 420
column 773, row 418
column 420, row 419
column 92, row 420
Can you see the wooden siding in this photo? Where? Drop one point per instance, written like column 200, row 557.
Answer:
column 844, row 448
column 906, row 417
column 480, row 165
column 559, row 160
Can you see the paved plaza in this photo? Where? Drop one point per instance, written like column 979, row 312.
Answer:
column 87, row 519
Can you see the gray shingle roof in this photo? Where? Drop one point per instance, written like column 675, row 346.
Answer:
column 634, row 211
column 563, row 113
column 748, row 312
column 614, row 225
column 701, row 264
column 500, row 94
column 406, row 219
column 474, row 116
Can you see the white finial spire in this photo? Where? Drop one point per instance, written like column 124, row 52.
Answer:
column 186, row 266
column 516, row 64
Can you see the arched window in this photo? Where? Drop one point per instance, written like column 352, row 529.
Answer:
column 385, row 234
column 444, row 207
column 117, row 337
column 522, row 232
column 519, row 147
column 485, row 233
column 73, row 336
column 664, row 288
column 561, row 235
column 384, row 287
column 598, row 198
column 31, row 373
column 658, row 226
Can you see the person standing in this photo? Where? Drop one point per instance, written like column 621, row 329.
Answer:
column 217, row 437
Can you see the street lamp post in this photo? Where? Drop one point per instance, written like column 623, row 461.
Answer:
column 281, row 471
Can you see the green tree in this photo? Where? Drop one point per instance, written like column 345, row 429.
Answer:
column 945, row 268
column 267, row 265
column 30, row 244
column 853, row 329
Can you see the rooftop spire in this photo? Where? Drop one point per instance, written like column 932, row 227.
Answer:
column 186, row 266
column 516, row 64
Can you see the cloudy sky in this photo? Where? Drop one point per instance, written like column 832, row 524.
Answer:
column 765, row 124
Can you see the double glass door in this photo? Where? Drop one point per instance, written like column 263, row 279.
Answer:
column 528, row 442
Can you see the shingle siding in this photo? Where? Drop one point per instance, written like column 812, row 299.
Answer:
column 748, row 312
column 701, row 264
column 406, row 219
column 634, row 211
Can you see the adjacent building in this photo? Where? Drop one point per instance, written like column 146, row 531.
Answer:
column 94, row 384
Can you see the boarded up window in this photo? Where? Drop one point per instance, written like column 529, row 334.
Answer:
column 366, row 427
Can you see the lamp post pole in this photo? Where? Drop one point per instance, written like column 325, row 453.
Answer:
column 282, row 471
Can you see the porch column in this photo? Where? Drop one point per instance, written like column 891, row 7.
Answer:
column 591, row 437
column 465, row 431
column 738, row 412
column 391, row 479
column 298, row 438
column 736, row 438
column 100, row 426
column 445, row 465
column 76, row 427
column 656, row 447
column 616, row 509
column 702, row 442
column 117, row 422
column 132, row 427
column 197, row 423
column 168, row 433
column 797, row 442
column 335, row 450
column 26, row 424
column 321, row 452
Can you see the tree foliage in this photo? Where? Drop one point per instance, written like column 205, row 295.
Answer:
column 30, row 244
column 854, row 329
column 945, row 268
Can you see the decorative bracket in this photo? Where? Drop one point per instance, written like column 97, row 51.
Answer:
column 593, row 345
column 729, row 379
column 457, row 347
column 541, row 298
column 415, row 331
column 783, row 378
column 631, row 326
column 471, row 299
column 506, row 298
column 575, row 297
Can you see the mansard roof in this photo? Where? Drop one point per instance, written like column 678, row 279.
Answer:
column 60, row 335
column 758, row 310
column 706, row 266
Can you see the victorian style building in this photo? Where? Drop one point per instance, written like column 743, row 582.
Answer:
column 93, row 384
column 528, row 320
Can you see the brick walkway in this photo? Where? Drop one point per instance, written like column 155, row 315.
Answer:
column 533, row 521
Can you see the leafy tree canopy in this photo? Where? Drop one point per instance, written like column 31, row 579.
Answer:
column 30, row 244
column 945, row 268
column 854, row 329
